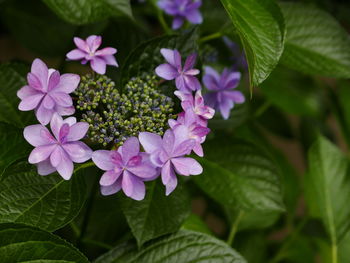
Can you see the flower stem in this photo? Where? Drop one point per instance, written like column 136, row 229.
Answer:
column 85, row 165
column 234, row 228
column 334, row 253
column 161, row 19
column 210, row 37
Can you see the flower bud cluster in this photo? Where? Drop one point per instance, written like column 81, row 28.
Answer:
column 114, row 116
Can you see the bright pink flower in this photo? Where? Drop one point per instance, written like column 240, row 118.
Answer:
column 196, row 104
column 87, row 52
column 126, row 169
column 58, row 152
column 169, row 154
column 47, row 92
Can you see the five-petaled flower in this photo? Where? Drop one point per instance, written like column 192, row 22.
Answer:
column 58, row 152
column 221, row 96
column 47, row 92
column 169, row 154
column 185, row 79
column 181, row 10
column 126, row 169
column 87, row 52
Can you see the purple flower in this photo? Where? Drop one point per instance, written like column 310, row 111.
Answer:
column 184, row 77
column 47, row 92
column 181, row 10
column 125, row 169
column 87, row 52
column 196, row 104
column 168, row 154
column 238, row 57
column 58, row 152
column 220, row 95
column 188, row 127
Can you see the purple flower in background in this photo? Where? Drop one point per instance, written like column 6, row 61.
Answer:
column 168, row 153
column 87, row 52
column 185, row 79
column 47, row 92
column 238, row 57
column 181, row 10
column 220, row 95
column 125, row 169
column 58, row 152
column 196, row 104
column 188, row 127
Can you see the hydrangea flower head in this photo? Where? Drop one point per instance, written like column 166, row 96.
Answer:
column 47, row 92
column 185, row 79
column 87, row 51
column 126, row 169
column 168, row 153
column 181, row 10
column 221, row 95
column 57, row 152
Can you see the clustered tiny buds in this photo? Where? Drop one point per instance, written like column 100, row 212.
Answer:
column 140, row 126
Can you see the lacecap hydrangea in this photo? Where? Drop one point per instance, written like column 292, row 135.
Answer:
column 142, row 131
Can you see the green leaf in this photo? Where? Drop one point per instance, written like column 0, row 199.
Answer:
column 146, row 56
column 239, row 175
column 89, row 11
column 19, row 243
column 12, row 78
column 37, row 28
column 47, row 202
column 195, row 223
column 260, row 26
column 12, row 146
column 315, row 42
column 327, row 188
column 285, row 87
column 157, row 214
column 184, row 246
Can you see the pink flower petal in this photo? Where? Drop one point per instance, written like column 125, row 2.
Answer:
column 62, row 99
column 143, row 171
column 94, row 42
column 168, row 141
column 81, row 44
column 166, row 71
column 190, row 62
column 31, row 102
column 64, row 111
column 65, row 168
column 78, row 152
column 56, row 156
column 186, row 166
column 68, row 83
column 110, row 60
column 76, row 54
column 77, row 131
column 184, row 147
column 56, row 124
column 48, row 102
column 34, row 135
column 102, row 160
column 40, row 70
column 168, row 177
column 41, row 153
column 27, row 91
column 150, row 141
column 130, row 148
column 53, row 80
column 194, row 16
column 35, row 83
column 43, row 115
column 109, row 177
column 106, row 51
column 168, row 54
column 112, row 189
column 98, row 65
column 133, row 187
column 45, row 167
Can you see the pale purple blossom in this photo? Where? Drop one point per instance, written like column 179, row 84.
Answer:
column 221, row 95
column 181, row 10
column 168, row 153
column 126, row 169
column 47, row 92
column 58, row 152
column 197, row 105
column 87, row 51
column 190, row 129
column 185, row 79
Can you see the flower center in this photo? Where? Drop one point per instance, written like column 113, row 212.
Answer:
column 115, row 116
